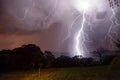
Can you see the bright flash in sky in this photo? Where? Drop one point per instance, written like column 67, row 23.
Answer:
column 90, row 5
column 84, row 7
column 82, row 4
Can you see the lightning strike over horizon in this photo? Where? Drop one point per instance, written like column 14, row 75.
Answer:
column 79, row 21
column 79, row 34
column 114, row 24
column 82, row 36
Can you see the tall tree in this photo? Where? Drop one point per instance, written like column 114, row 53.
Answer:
column 49, row 58
column 100, row 52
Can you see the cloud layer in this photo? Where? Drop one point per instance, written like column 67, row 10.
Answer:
column 47, row 24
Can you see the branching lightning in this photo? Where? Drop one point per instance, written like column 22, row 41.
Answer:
column 82, row 36
column 29, row 9
column 52, row 10
column 112, row 29
column 71, row 26
column 83, row 7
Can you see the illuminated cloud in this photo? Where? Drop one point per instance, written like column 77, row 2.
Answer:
column 47, row 23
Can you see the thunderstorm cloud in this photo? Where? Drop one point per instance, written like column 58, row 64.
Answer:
column 48, row 23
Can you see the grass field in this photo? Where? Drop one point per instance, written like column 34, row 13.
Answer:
column 87, row 73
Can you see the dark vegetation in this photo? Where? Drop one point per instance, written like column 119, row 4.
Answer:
column 29, row 57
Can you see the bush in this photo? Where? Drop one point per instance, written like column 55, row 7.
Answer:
column 114, row 69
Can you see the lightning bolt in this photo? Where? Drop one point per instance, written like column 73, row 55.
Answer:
column 50, row 13
column 71, row 25
column 52, row 10
column 27, row 10
column 79, row 35
column 112, row 30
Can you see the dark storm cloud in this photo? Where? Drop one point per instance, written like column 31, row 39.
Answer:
column 10, row 26
column 47, row 23
column 11, row 12
column 29, row 16
column 118, row 15
column 40, row 25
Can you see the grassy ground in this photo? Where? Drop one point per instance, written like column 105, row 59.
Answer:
column 87, row 73
column 111, row 72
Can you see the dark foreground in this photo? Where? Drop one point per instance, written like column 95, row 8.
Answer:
column 87, row 73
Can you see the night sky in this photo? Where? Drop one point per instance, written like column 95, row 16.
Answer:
column 47, row 23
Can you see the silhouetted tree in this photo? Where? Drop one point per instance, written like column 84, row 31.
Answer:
column 66, row 61
column 108, row 59
column 100, row 52
column 5, row 59
column 76, row 61
column 114, row 69
column 29, row 56
column 25, row 57
column 49, row 58
column 63, row 61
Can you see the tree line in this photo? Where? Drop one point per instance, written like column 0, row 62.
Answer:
column 29, row 57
